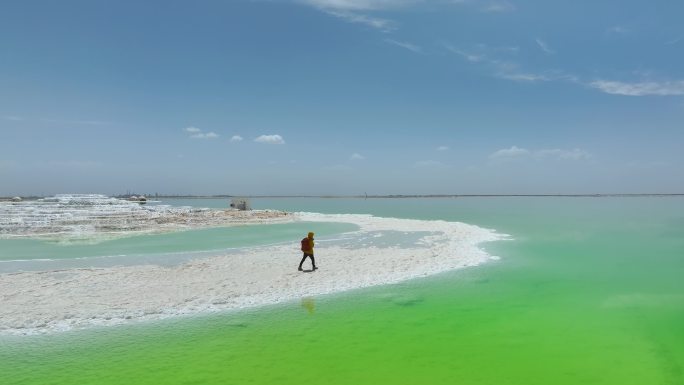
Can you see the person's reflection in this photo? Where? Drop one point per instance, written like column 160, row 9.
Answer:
column 309, row 304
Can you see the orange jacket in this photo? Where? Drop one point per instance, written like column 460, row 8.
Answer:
column 311, row 244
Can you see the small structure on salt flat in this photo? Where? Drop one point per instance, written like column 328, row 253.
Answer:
column 240, row 204
column 140, row 199
column 16, row 199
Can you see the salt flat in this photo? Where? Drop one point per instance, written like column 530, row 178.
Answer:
column 50, row 301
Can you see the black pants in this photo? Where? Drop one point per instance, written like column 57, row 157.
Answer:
column 313, row 261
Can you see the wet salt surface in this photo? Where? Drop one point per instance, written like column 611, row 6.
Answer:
column 384, row 250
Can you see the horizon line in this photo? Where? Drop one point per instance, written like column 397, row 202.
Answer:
column 364, row 196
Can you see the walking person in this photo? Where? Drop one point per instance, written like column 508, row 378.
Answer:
column 308, row 250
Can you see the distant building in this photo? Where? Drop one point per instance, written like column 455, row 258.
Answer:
column 240, row 204
column 16, row 199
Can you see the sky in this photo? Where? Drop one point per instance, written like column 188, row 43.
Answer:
column 340, row 97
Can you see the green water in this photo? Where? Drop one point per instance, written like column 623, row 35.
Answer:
column 589, row 292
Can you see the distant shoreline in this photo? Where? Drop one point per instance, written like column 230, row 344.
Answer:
column 391, row 196
column 452, row 196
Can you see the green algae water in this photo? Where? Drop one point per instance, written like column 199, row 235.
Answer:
column 589, row 291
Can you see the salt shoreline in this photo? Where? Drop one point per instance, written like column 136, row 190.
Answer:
column 52, row 301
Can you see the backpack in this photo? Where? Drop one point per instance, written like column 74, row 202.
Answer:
column 305, row 244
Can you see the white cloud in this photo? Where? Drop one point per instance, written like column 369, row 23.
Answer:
column 13, row 118
column 270, row 139
column 523, row 77
column 666, row 88
column 205, row 135
column 357, row 11
column 384, row 25
column 510, row 70
column 350, row 10
column 359, row 5
column 471, row 57
column 512, row 152
column 356, row 156
column 198, row 134
column 411, row 47
column 236, row 138
column 544, row 47
column 499, row 6
column 505, row 69
column 442, row 148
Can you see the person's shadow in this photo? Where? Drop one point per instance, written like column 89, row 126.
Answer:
column 308, row 271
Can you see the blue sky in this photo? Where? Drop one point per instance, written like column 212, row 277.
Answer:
column 341, row 97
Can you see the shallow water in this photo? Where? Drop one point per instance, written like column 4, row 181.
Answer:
column 590, row 291
column 164, row 249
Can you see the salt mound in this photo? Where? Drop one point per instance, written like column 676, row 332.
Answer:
column 69, row 217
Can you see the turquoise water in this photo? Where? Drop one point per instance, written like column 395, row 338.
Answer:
column 167, row 248
column 589, row 291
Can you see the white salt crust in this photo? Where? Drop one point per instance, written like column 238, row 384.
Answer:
column 52, row 301
column 93, row 217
